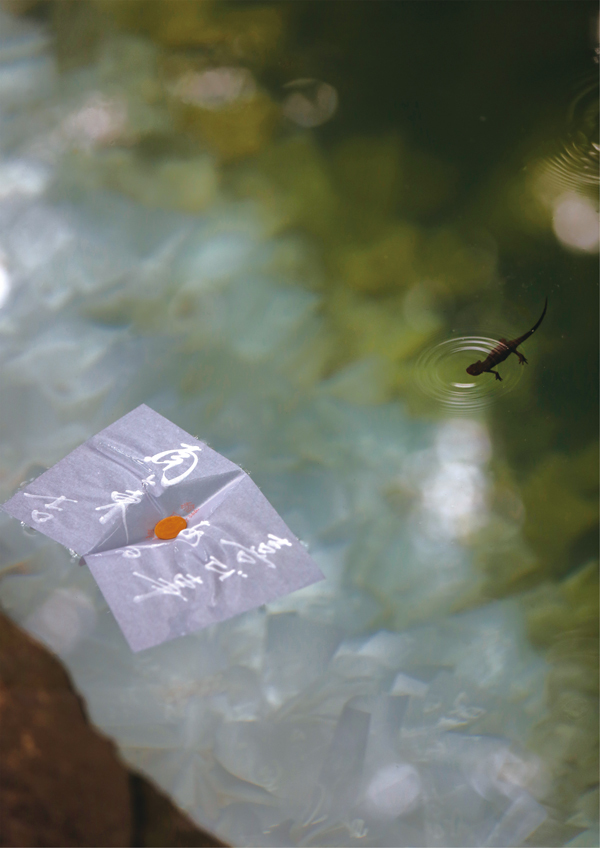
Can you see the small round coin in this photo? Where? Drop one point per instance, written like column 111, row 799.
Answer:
column 169, row 527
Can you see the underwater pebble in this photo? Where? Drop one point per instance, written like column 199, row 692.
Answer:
column 394, row 790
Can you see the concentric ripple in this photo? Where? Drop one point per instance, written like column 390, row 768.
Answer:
column 575, row 165
column 441, row 373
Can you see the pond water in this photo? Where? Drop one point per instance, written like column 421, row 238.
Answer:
column 290, row 228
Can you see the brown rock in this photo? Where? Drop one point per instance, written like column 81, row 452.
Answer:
column 61, row 782
column 157, row 822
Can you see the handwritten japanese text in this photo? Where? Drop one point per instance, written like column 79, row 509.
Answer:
column 41, row 517
column 177, row 456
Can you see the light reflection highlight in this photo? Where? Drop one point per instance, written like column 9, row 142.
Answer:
column 575, row 222
column 394, row 790
column 5, row 283
column 454, row 497
column 101, row 121
column 310, row 102
column 215, row 88
column 21, row 177
column 454, row 493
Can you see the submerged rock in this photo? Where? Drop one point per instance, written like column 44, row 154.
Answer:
column 62, row 782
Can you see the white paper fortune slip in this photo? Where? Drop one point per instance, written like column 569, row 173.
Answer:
column 176, row 536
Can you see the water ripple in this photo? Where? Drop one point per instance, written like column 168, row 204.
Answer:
column 575, row 165
column 440, row 373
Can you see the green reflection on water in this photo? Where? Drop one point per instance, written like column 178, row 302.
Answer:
column 425, row 217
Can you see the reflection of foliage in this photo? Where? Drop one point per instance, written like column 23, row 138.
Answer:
column 554, row 512
column 563, row 618
column 561, row 505
column 243, row 129
column 248, row 34
column 384, row 270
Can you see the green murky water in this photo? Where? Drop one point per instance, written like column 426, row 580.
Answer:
column 412, row 180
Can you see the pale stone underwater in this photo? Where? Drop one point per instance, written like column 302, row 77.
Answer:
column 305, row 721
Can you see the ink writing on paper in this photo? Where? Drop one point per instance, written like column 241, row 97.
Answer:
column 243, row 554
column 178, row 456
column 160, row 586
column 41, row 517
column 252, row 553
column 120, row 502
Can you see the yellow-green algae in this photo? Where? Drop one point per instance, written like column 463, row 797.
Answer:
column 563, row 619
column 561, row 504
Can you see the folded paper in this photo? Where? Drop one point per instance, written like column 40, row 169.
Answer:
column 176, row 536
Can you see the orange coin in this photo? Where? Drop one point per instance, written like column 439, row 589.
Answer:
column 169, row 527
